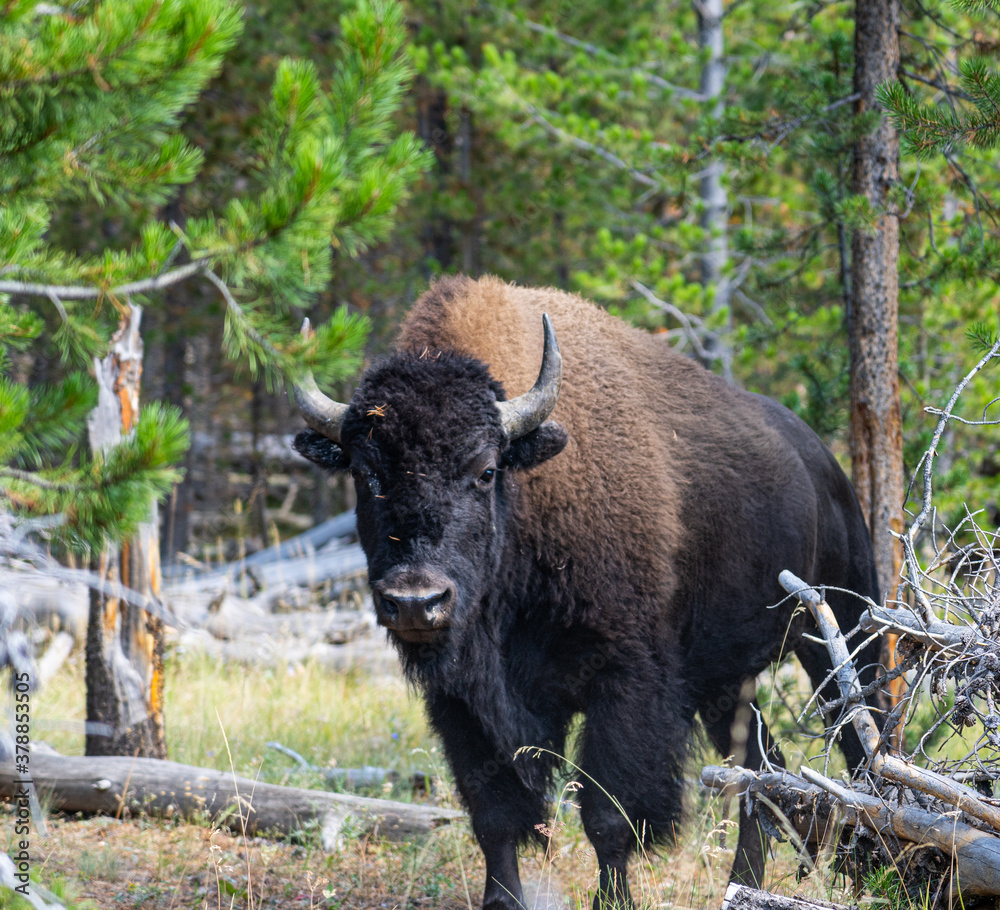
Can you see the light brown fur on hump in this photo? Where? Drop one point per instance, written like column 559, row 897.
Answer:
column 608, row 503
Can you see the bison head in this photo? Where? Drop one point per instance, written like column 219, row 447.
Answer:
column 432, row 445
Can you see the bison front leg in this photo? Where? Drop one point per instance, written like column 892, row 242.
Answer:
column 504, row 812
column 633, row 750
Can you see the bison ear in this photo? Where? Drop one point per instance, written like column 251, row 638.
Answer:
column 320, row 450
column 541, row 444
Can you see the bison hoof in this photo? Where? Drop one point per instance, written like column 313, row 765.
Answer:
column 508, row 903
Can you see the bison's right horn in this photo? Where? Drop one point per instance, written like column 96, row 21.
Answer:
column 323, row 414
column 525, row 413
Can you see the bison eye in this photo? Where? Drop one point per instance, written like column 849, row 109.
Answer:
column 486, row 478
column 366, row 481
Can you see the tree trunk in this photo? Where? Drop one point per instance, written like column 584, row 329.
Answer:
column 472, row 228
column 715, row 204
column 876, row 435
column 174, row 328
column 124, row 643
column 432, row 127
column 876, row 432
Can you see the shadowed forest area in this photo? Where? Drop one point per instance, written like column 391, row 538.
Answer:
column 205, row 202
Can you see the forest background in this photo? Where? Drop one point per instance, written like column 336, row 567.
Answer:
column 686, row 166
column 691, row 166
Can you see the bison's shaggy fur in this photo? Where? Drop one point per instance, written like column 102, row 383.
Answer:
column 621, row 560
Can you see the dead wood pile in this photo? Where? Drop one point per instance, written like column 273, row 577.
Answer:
column 940, row 833
column 303, row 599
column 924, row 805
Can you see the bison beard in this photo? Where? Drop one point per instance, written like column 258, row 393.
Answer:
column 619, row 560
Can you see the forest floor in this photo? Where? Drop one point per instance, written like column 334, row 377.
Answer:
column 222, row 715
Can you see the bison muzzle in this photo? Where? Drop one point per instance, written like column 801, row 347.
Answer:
column 606, row 542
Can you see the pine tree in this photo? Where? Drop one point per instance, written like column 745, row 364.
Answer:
column 931, row 129
column 91, row 100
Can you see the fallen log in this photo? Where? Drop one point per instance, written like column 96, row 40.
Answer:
column 110, row 785
column 740, row 897
column 814, row 815
column 309, row 570
column 240, row 620
column 371, row 652
column 301, row 545
column 976, row 853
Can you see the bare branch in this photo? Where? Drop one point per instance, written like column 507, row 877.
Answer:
column 596, row 51
column 77, row 292
column 686, row 321
column 949, row 90
column 931, row 454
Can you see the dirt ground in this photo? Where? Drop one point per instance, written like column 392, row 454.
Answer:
column 156, row 865
column 128, row 863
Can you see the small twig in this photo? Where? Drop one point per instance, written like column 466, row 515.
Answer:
column 35, row 480
column 949, row 90
column 58, row 304
column 239, row 313
column 291, row 753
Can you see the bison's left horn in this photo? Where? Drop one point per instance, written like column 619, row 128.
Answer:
column 323, row 414
column 523, row 414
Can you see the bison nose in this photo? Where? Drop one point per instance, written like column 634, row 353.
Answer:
column 417, row 608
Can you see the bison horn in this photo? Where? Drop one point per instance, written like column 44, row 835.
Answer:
column 323, row 414
column 525, row 413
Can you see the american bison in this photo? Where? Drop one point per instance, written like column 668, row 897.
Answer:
column 619, row 560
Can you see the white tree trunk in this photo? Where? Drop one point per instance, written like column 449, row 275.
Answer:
column 715, row 204
column 124, row 643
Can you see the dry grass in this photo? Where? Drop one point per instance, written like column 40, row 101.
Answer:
column 348, row 719
column 332, row 719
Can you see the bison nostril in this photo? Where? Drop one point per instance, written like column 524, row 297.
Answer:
column 436, row 602
column 407, row 607
column 387, row 604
